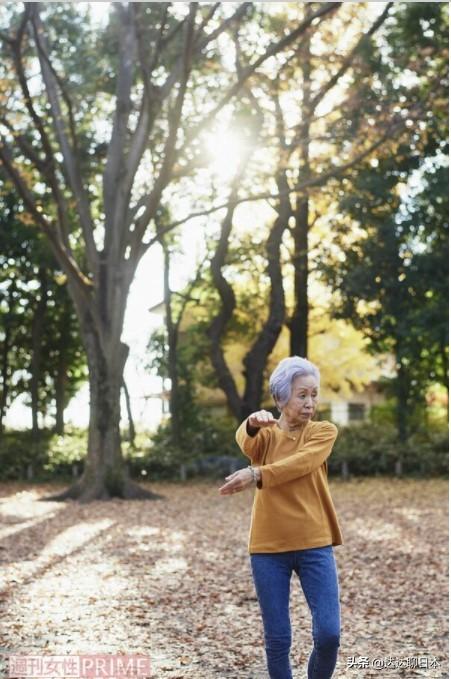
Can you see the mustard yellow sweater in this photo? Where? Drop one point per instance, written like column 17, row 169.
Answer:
column 292, row 508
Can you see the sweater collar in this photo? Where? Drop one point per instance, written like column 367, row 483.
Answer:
column 294, row 433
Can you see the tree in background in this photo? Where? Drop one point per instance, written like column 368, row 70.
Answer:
column 301, row 168
column 290, row 176
column 146, row 71
column 311, row 124
column 361, row 113
column 426, row 223
column 41, row 350
column 336, row 346
column 122, row 143
column 391, row 277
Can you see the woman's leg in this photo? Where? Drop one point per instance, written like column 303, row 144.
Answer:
column 272, row 575
column 317, row 571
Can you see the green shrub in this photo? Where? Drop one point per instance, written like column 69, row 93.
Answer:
column 205, row 436
column 368, row 448
column 51, row 455
column 373, row 448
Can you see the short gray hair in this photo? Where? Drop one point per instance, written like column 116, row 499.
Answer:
column 281, row 380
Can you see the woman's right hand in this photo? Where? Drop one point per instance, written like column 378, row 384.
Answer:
column 261, row 418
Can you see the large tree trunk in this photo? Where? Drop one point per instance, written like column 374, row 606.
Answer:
column 298, row 323
column 256, row 359
column 218, row 325
column 105, row 474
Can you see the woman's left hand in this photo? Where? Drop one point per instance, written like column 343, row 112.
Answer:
column 237, row 481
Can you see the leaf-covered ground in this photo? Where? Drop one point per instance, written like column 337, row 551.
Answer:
column 171, row 579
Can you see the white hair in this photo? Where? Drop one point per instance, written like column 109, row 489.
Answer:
column 281, row 380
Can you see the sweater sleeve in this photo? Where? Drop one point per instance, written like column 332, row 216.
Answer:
column 309, row 457
column 252, row 446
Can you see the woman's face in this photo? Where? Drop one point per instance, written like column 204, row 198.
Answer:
column 303, row 400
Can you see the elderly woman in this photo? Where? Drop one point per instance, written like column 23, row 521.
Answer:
column 294, row 526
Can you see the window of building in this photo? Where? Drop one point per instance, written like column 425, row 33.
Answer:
column 356, row 412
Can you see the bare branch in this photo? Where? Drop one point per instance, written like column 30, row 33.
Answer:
column 155, row 194
column 150, row 103
column 335, row 172
column 233, row 18
column 175, row 74
column 48, row 177
column 173, row 32
column 46, row 167
column 210, row 14
column 159, row 41
column 18, row 65
column 73, row 171
column 273, row 49
column 169, row 155
column 349, row 58
column 113, row 196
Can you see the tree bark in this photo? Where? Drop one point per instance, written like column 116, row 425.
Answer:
column 298, row 324
column 7, row 345
column 60, row 392
column 105, row 474
column 444, row 357
column 172, row 334
column 5, row 373
column 256, row 359
column 219, row 323
column 131, row 424
column 99, row 290
column 402, row 391
column 37, row 332
column 61, row 368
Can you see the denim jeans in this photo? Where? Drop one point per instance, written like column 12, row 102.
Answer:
column 317, row 572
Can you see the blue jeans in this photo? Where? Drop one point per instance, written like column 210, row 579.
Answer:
column 317, row 572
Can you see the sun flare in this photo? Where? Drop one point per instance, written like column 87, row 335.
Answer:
column 225, row 150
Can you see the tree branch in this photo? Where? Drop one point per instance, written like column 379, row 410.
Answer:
column 210, row 14
column 113, row 186
column 272, row 50
column 299, row 188
column 139, row 249
column 219, row 322
column 64, row 257
column 169, row 155
column 48, row 177
column 349, row 59
column 71, row 165
column 46, row 167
